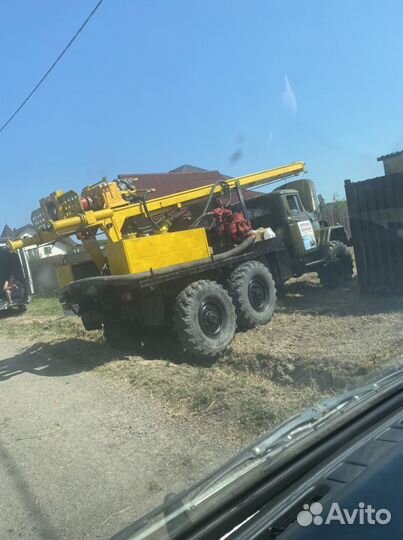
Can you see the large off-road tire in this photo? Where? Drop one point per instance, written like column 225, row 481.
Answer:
column 339, row 268
column 204, row 319
column 253, row 293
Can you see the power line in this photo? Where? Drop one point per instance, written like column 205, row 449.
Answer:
column 38, row 84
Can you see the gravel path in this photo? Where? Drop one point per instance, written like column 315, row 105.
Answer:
column 81, row 458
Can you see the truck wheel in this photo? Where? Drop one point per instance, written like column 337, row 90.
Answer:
column 339, row 268
column 204, row 318
column 254, row 294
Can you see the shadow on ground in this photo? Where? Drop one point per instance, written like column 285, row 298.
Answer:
column 56, row 359
column 311, row 298
column 71, row 356
column 74, row 355
column 11, row 313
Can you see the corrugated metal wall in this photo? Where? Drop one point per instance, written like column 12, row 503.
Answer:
column 376, row 218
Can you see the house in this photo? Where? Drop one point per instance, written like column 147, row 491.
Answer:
column 60, row 247
column 188, row 169
column 392, row 163
column 43, row 260
column 180, row 179
column 6, row 233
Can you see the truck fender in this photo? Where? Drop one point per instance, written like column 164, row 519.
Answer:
column 338, row 232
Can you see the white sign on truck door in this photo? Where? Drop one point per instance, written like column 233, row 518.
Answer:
column 308, row 234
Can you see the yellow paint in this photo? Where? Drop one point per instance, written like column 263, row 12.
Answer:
column 105, row 194
column 132, row 255
column 111, row 220
column 64, row 275
column 92, row 247
column 135, row 255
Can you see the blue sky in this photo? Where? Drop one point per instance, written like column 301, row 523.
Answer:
column 231, row 85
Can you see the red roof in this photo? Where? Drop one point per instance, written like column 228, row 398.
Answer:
column 168, row 183
column 174, row 182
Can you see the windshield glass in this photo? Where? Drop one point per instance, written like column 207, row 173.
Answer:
column 294, row 205
column 201, row 238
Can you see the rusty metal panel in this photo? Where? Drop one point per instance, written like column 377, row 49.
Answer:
column 375, row 209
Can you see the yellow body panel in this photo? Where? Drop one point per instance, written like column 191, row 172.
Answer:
column 112, row 210
column 133, row 255
column 64, row 275
column 111, row 220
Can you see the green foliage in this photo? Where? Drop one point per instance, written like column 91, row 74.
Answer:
column 45, row 306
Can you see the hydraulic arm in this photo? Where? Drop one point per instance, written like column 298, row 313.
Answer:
column 192, row 260
column 121, row 212
column 64, row 214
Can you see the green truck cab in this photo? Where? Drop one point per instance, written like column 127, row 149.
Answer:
column 292, row 212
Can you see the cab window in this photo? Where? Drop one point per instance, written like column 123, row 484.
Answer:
column 294, row 205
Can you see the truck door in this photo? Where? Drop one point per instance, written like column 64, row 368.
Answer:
column 303, row 239
column 26, row 271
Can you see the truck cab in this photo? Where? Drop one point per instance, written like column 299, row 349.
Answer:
column 291, row 211
column 15, row 265
column 283, row 211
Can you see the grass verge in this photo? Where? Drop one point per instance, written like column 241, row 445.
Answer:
column 241, row 406
column 318, row 343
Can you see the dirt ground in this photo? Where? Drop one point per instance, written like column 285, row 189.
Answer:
column 83, row 458
column 321, row 337
column 318, row 343
column 91, row 437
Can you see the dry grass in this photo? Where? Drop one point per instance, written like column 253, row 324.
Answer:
column 319, row 342
column 326, row 337
column 236, row 406
column 44, row 318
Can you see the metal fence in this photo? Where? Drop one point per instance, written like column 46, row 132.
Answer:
column 375, row 209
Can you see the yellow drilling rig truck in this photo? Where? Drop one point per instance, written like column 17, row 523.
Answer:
column 192, row 259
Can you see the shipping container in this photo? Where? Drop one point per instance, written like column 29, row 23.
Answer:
column 375, row 209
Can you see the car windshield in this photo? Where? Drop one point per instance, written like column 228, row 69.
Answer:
column 201, row 237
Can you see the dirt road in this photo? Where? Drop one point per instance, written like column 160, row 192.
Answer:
column 84, row 449
column 81, row 458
